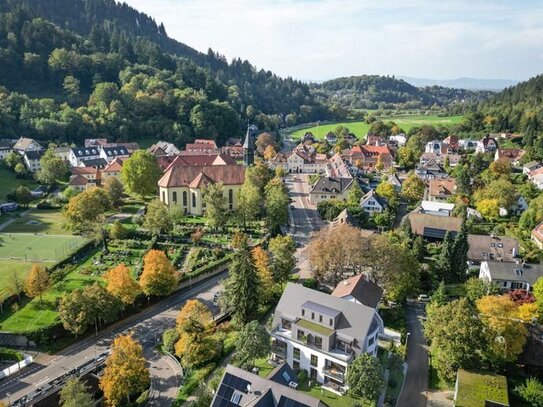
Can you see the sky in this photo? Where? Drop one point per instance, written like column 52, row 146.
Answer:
column 325, row 39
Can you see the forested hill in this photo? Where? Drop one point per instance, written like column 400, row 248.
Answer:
column 384, row 92
column 72, row 69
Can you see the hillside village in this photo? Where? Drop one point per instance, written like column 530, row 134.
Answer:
column 462, row 223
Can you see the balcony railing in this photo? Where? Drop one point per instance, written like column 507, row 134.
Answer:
column 279, row 350
column 334, row 373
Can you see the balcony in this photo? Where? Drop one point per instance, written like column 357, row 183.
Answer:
column 334, row 373
column 279, row 350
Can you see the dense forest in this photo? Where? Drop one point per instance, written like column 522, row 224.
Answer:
column 71, row 69
column 387, row 92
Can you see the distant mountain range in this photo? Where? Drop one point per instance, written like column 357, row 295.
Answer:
column 462, row 83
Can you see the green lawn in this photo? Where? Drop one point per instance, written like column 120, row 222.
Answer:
column 7, row 269
column 475, row 388
column 360, row 128
column 34, row 314
column 332, row 399
column 8, row 182
column 39, row 221
column 30, row 247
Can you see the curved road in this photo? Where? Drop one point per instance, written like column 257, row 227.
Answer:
column 146, row 326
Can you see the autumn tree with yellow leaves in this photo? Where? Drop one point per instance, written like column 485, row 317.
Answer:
column 125, row 374
column 121, row 284
column 37, row 281
column 159, row 276
column 194, row 324
column 263, row 267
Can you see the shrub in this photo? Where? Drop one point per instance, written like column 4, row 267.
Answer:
column 532, row 392
column 310, row 283
column 169, row 338
column 11, row 355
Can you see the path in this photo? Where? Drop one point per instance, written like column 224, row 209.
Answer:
column 416, row 381
column 11, row 220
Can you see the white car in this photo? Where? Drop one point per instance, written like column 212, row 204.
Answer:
column 423, row 298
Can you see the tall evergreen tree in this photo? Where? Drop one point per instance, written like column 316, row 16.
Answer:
column 444, row 264
column 241, row 289
column 460, row 253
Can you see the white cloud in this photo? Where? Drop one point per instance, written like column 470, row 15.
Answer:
column 319, row 39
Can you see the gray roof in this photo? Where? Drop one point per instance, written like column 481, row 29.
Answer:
column 331, row 185
column 372, row 194
column 85, row 151
column 528, row 273
column 484, row 247
column 321, row 309
column 33, row 154
column 115, row 151
column 95, row 162
column 258, row 391
column 355, row 320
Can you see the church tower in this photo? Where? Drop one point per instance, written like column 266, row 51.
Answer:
column 249, row 146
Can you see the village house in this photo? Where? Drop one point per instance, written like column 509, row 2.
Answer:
column 338, row 167
column 487, row 145
column 92, row 174
column 519, row 206
column 395, row 181
column 239, row 387
column 493, row 248
column 331, row 138
column 202, row 146
column 113, row 152
column 537, row 236
column 113, row 170
column 322, row 334
column 397, row 140
column 26, row 144
column 468, row 145
column 452, row 142
column 375, row 140
column 367, row 157
column 433, row 227
column 430, row 170
column 511, row 276
column 6, row 147
column 80, row 155
column 79, row 183
column 510, row 155
column 440, row 190
column 372, row 203
column 63, row 153
column 32, row 160
column 183, row 186
column 327, row 188
column 536, row 177
column 163, row 148
column 360, row 290
column 438, row 148
column 436, row 208
column 531, row 166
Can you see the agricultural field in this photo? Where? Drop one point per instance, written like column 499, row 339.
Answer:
column 360, row 128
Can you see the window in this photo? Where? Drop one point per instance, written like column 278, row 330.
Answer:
column 230, row 196
column 312, row 315
column 318, row 342
column 301, row 335
column 303, row 312
column 295, row 365
column 236, row 397
column 331, row 321
column 163, row 196
column 194, row 200
column 320, row 318
column 296, row 353
column 314, row 360
column 184, row 198
column 174, row 197
column 370, row 342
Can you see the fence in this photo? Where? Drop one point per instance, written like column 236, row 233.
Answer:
column 16, row 367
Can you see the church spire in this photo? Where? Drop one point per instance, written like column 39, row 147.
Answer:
column 248, row 146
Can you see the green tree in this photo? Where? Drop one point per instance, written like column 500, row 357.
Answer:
column 114, row 189
column 439, row 297
column 169, row 338
column 253, row 342
column 365, row 377
column 216, row 206
column 20, row 170
column 242, row 287
column 250, row 203
column 477, row 288
column 74, row 312
column 23, row 196
column 460, row 253
column 159, row 276
column 53, row 168
column 282, row 249
column 75, row 394
column 445, row 262
column 463, row 180
column 277, row 201
column 118, row 231
column 157, row 219
column 84, row 210
column 413, row 188
column 12, row 159
column 140, row 173
column 72, row 88
column 457, row 338
column 37, row 282
column 355, row 195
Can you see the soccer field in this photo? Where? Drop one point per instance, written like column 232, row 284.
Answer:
column 37, row 247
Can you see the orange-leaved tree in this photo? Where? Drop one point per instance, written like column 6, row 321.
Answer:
column 263, row 267
column 37, row 281
column 125, row 374
column 121, row 284
column 195, row 345
column 159, row 276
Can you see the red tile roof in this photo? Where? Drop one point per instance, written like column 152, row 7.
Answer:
column 114, row 166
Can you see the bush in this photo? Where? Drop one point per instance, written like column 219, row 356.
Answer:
column 10, row 355
column 194, row 379
column 311, row 283
column 169, row 338
column 532, row 392
column 302, row 376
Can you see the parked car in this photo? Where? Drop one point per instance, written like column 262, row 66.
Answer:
column 423, row 298
column 216, row 297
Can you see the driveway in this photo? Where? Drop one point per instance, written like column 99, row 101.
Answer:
column 416, row 381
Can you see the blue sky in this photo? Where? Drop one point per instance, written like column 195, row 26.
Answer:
column 323, row 39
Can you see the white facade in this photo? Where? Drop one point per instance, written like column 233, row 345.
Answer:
column 437, row 208
column 78, row 155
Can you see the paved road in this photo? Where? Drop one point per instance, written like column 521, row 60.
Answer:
column 147, row 327
column 416, row 381
column 304, row 220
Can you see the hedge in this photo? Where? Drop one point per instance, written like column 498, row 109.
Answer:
column 193, row 381
column 207, row 268
column 10, row 354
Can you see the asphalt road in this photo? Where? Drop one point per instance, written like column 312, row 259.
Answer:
column 304, row 220
column 416, row 381
column 147, row 327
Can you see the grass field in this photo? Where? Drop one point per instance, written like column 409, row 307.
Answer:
column 31, row 247
column 8, row 182
column 360, row 128
column 39, row 221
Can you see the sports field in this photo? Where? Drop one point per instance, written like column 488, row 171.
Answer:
column 37, row 247
column 360, row 128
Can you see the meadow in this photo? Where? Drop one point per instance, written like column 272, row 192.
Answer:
column 360, row 128
column 8, row 182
